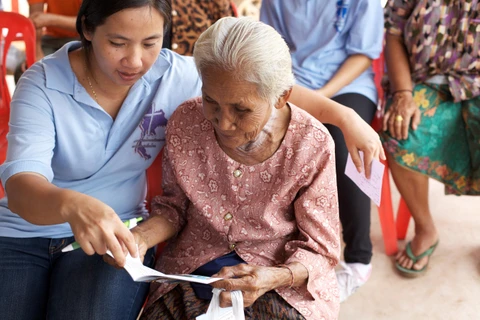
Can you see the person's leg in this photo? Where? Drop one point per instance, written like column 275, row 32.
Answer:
column 413, row 187
column 438, row 149
column 354, row 205
column 86, row 287
column 24, row 278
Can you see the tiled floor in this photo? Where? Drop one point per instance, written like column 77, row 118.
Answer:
column 450, row 289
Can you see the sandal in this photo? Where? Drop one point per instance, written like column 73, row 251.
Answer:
column 408, row 251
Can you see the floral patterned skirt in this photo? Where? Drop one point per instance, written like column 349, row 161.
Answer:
column 446, row 144
column 182, row 304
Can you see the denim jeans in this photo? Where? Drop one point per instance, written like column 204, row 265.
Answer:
column 38, row 281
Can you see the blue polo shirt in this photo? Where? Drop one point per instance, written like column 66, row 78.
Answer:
column 322, row 34
column 60, row 132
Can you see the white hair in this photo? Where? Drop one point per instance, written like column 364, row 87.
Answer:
column 251, row 50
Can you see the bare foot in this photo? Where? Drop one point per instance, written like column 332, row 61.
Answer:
column 421, row 242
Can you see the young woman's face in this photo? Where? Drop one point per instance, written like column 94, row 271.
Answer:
column 236, row 111
column 126, row 45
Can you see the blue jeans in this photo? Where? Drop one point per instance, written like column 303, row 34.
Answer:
column 38, row 281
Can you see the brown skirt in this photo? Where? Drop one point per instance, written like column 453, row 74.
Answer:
column 181, row 303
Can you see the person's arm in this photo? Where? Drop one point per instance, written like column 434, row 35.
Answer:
column 359, row 135
column 401, row 87
column 27, row 174
column 34, row 9
column 351, row 68
column 95, row 225
column 41, row 19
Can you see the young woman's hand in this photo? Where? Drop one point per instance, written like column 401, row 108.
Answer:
column 360, row 136
column 402, row 114
column 97, row 227
column 141, row 245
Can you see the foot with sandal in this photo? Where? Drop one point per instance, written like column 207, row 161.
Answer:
column 415, row 258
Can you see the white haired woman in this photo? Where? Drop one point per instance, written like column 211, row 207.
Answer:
column 250, row 191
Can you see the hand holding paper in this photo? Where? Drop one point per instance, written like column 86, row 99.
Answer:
column 371, row 187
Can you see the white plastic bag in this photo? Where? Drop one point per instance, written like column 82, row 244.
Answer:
column 215, row 312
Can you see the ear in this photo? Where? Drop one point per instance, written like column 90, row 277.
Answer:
column 88, row 35
column 282, row 101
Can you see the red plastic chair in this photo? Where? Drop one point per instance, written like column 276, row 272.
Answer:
column 15, row 24
column 391, row 230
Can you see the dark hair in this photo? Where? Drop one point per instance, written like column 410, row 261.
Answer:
column 95, row 12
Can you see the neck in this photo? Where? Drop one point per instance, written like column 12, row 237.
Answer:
column 267, row 141
column 101, row 85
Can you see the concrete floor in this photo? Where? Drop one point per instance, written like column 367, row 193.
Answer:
column 450, row 289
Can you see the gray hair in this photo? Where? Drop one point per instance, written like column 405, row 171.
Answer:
column 251, row 50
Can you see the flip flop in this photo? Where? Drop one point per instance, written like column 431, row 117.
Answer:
column 408, row 251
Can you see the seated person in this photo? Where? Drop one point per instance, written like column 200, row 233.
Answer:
column 332, row 49
column 250, row 191
column 55, row 26
column 190, row 19
column 432, row 119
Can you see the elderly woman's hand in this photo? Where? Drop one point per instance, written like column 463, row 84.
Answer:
column 402, row 113
column 360, row 136
column 253, row 281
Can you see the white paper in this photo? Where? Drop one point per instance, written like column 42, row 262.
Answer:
column 371, row 187
column 139, row 272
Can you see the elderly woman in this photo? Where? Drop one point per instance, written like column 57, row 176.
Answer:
column 249, row 187
column 433, row 117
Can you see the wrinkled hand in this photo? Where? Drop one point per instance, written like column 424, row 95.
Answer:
column 41, row 19
column 142, row 249
column 360, row 136
column 404, row 106
column 253, row 281
column 97, row 227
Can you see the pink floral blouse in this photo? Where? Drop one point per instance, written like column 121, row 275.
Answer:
column 280, row 211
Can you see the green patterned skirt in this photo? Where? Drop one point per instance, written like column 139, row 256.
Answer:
column 446, row 144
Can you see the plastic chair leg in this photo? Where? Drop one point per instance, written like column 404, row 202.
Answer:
column 403, row 219
column 387, row 219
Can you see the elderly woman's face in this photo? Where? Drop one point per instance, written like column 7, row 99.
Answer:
column 234, row 108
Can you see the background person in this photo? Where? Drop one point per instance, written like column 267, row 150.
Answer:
column 54, row 21
column 433, row 116
column 190, row 19
column 332, row 48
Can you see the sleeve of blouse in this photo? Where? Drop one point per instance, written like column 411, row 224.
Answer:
column 31, row 136
column 366, row 34
column 172, row 204
column 318, row 246
column 397, row 13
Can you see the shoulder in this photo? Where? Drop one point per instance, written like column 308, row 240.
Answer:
column 178, row 61
column 187, row 117
column 171, row 65
column 309, row 134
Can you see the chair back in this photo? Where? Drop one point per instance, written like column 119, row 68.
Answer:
column 14, row 24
